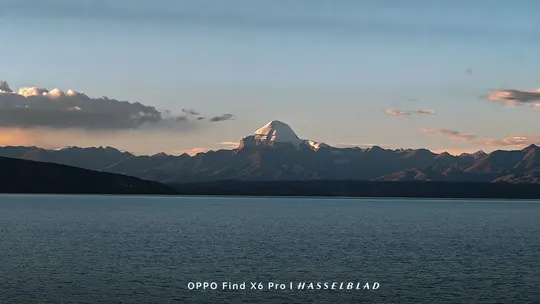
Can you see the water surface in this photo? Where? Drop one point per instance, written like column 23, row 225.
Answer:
column 121, row 249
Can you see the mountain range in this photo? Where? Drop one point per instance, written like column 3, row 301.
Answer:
column 275, row 153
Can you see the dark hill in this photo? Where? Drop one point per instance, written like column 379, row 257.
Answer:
column 348, row 188
column 26, row 176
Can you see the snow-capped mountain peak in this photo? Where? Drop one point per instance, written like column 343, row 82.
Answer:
column 277, row 133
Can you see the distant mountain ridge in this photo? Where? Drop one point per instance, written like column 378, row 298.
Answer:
column 276, row 153
column 299, row 163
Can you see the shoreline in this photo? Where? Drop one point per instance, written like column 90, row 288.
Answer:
column 200, row 196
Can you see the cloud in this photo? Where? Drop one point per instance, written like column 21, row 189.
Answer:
column 221, row 118
column 190, row 112
column 428, row 112
column 536, row 105
column 31, row 107
column 397, row 113
column 512, row 140
column 469, row 71
column 229, row 143
column 452, row 134
column 393, row 112
column 4, row 87
column 514, row 97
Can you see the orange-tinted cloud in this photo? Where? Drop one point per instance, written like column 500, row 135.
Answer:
column 514, row 97
column 397, row 112
column 452, row 134
column 513, row 140
column 229, row 143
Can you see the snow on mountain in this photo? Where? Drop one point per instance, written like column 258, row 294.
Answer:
column 316, row 145
column 277, row 132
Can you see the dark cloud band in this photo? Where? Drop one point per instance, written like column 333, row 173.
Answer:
column 36, row 107
column 221, row 118
column 452, row 134
column 392, row 112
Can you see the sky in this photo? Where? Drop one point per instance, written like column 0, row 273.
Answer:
column 187, row 76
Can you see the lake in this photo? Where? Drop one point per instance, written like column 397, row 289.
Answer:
column 122, row 249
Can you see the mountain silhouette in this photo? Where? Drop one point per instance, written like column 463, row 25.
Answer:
column 275, row 153
column 27, row 176
column 298, row 162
